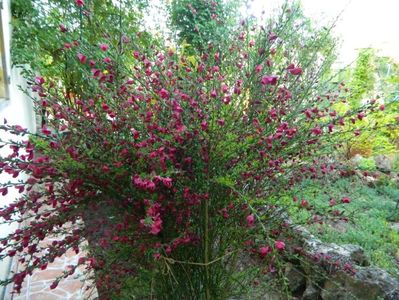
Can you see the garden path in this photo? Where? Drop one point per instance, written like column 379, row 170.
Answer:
column 37, row 286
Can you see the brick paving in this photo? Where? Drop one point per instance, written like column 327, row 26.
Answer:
column 37, row 286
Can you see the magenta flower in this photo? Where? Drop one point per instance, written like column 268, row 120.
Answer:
column 225, row 213
column 82, row 58
column 280, row 245
column 264, row 250
column 346, row 200
column 4, row 191
column 54, row 285
column 79, row 3
column 95, row 72
column 272, row 36
column 204, row 125
column 105, row 106
column 269, row 80
column 226, row 100
column 330, row 127
column 103, row 47
column 164, row 94
column 251, row 220
column 294, row 70
column 150, row 186
column 156, row 226
column 63, row 28
column 167, row 182
column 39, row 80
column 304, row 203
column 317, row 131
column 45, row 130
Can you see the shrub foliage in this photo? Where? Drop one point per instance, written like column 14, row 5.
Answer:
column 168, row 170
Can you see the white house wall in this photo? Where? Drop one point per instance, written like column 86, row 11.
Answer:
column 18, row 111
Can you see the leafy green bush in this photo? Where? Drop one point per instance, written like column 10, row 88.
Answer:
column 373, row 76
column 367, row 164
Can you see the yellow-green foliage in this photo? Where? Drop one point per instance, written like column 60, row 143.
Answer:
column 373, row 78
column 363, row 76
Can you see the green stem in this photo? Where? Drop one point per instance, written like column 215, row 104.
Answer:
column 206, row 249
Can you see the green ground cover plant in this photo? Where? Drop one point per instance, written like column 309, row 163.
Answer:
column 371, row 213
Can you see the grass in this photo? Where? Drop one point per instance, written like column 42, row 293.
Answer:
column 370, row 211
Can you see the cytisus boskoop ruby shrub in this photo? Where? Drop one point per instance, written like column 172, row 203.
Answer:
column 169, row 168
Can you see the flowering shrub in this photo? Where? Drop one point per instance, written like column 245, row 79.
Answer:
column 171, row 169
